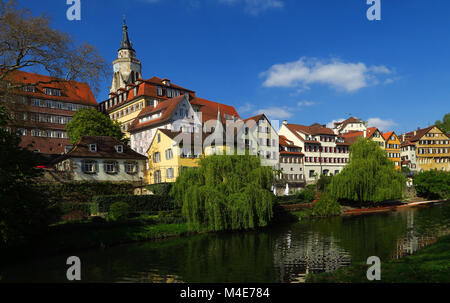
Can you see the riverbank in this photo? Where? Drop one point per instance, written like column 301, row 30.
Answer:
column 429, row 265
column 78, row 236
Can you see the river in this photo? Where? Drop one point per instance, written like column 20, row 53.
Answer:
column 283, row 254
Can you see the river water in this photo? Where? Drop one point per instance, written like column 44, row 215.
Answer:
column 283, row 254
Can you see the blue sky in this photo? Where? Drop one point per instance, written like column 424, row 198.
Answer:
column 305, row 61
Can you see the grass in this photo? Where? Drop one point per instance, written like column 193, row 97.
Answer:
column 303, row 214
column 429, row 265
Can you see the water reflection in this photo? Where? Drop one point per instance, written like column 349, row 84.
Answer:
column 285, row 254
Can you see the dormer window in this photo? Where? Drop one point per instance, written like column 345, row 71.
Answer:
column 159, row 91
column 28, row 89
column 119, row 148
column 52, row 92
column 93, row 148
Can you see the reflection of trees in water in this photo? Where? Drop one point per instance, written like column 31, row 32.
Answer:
column 297, row 255
column 423, row 228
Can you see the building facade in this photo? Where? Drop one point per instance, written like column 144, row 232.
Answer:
column 170, row 152
column 392, row 147
column 432, row 147
column 325, row 152
column 261, row 139
column 43, row 107
column 292, row 167
column 349, row 125
column 102, row 159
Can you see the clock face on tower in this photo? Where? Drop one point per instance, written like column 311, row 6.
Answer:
column 116, row 67
column 135, row 67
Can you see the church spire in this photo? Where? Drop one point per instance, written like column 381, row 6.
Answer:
column 126, row 44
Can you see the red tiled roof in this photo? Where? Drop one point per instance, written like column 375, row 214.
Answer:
column 418, row 134
column 167, row 108
column 345, row 122
column 105, row 149
column 71, row 91
column 310, row 130
column 209, row 109
column 387, row 135
column 371, row 131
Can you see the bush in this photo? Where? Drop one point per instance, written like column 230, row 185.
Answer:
column 162, row 189
column 433, row 184
column 138, row 204
column 79, row 192
column 67, row 207
column 119, row 211
column 308, row 194
column 326, row 206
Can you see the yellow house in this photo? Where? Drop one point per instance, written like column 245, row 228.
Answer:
column 432, row 148
column 392, row 147
column 375, row 135
column 169, row 153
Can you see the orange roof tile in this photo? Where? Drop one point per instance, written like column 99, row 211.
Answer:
column 71, row 91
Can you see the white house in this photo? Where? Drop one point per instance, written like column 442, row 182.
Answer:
column 325, row 152
column 102, row 159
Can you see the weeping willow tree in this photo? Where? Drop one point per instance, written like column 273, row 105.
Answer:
column 369, row 177
column 225, row 193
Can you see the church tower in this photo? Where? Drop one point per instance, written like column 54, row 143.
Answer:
column 127, row 68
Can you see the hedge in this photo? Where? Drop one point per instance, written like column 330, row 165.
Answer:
column 162, row 189
column 67, row 207
column 138, row 204
column 83, row 191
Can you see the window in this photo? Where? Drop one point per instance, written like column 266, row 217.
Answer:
column 156, row 157
column 29, row 89
column 52, row 92
column 169, row 154
column 170, row 173
column 111, row 167
column 22, row 131
column 67, row 148
column 92, row 147
column 131, row 167
column 119, row 148
column 157, row 177
column 89, row 167
column 158, row 138
column 36, row 102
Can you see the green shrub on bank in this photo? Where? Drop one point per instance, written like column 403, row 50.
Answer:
column 83, row 191
column 326, row 206
column 119, row 211
column 308, row 194
column 162, row 189
column 71, row 206
column 138, row 204
column 433, row 184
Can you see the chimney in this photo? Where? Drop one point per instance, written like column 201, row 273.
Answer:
column 365, row 133
column 415, row 132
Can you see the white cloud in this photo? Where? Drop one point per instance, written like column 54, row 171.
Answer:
column 275, row 113
column 305, row 103
column 331, row 124
column 382, row 125
column 340, row 75
column 247, row 107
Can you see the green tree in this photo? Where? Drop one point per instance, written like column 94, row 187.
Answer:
column 226, row 193
column 24, row 211
column 90, row 122
column 369, row 177
column 444, row 125
column 433, row 184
